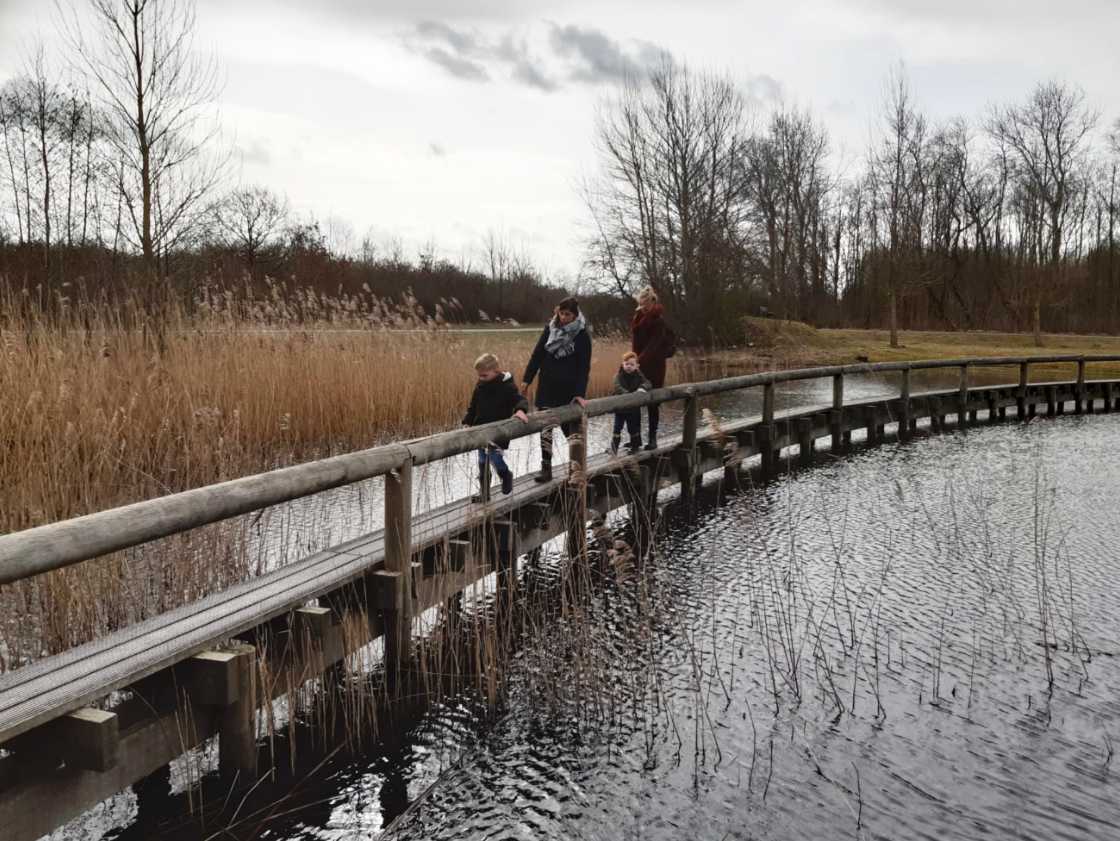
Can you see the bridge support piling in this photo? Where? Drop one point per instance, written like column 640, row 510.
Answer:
column 685, row 457
column 963, row 416
column 1079, row 389
column 870, row 421
column 764, row 435
column 1021, row 395
column 237, row 737
column 836, row 415
column 805, row 441
column 904, row 429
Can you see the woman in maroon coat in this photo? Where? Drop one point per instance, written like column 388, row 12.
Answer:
column 652, row 340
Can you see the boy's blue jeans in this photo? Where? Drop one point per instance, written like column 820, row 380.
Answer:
column 632, row 420
column 492, row 455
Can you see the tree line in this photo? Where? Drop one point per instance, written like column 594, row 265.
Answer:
column 113, row 185
column 1006, row 222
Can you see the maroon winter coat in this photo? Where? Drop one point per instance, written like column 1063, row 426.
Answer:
column 651, row 340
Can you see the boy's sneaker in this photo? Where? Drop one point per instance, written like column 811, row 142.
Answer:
column 615, row 441
column 635, row 444
column 507, row 482
column 652, row 444
column 545, row 474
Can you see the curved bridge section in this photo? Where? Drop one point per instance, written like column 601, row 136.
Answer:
column 63, row 754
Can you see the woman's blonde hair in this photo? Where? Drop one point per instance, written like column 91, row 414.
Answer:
column 647, row 294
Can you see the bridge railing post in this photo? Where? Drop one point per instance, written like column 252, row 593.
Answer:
column 1021, row 395
column 836, row 415
column 904, row 400
column 397, row 604
column 576, row 492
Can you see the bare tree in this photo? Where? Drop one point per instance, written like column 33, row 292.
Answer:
column 250, row 219
column 16, row 107
column 498, row 255
column 154, row 88
column 669, row 210
column 788, row 185
column 896, row 172
column 1048, row 137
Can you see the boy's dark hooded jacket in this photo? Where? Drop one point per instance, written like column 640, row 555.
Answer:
column 495, row 400
column 562, row 378
column 625, row 383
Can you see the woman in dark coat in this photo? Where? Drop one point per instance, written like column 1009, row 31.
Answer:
column 563, row 359
column 653, row 341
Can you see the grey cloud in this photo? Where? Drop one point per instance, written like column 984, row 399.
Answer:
column 463, row 43
column 462, row 68
column 524, row 67
column 468, row 56
column 571, row 53
column 437, row 149
column 598, row 58
column 527, row 73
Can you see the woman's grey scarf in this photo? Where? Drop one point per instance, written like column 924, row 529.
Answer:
column 562, row 337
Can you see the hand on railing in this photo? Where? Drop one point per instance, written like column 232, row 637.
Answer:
column 521, row 416
column 581, row 402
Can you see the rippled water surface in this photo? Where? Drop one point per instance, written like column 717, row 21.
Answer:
column 916, row 641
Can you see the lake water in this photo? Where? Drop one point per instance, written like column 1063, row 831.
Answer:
column 915, row 641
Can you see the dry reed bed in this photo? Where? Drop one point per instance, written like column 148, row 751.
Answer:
column 91, row 421
column 99, row 413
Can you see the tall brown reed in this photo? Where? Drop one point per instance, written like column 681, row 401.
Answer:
column 108, row 406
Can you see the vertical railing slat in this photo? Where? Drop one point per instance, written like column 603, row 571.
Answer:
column 398, row 563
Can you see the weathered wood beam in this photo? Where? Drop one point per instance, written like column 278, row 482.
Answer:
column 86, row 739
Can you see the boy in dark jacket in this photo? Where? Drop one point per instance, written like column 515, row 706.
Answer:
column 495, row 398
column 628, row 380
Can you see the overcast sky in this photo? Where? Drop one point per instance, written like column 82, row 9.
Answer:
column 437, row 120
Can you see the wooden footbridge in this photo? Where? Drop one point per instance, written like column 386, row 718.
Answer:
column 65, row 745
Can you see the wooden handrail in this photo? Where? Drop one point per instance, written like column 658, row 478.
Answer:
column 56, row 545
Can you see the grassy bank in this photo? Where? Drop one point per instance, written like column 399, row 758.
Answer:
column 773, row 343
